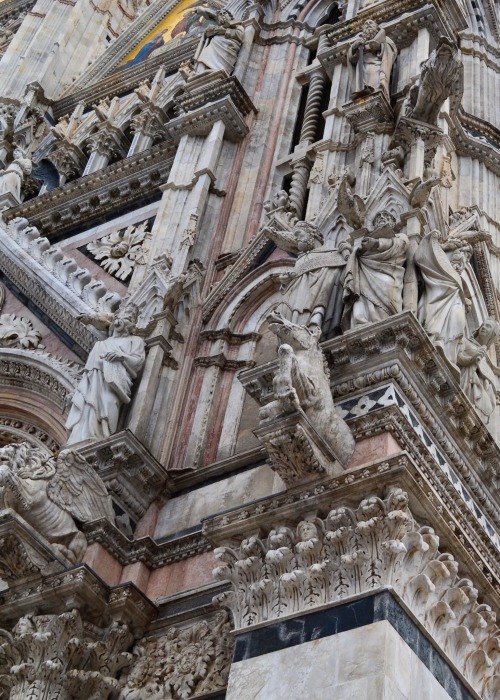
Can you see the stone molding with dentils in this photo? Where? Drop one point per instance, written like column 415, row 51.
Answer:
column 132, row 475
column 110, row 189
column 97, row 602
column 185, row 662
column 40, row 372
column 50, row 657
column 298, row 567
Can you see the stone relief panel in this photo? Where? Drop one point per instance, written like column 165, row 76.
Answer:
column 120, row 251
column 183, row 663
column 320, row 560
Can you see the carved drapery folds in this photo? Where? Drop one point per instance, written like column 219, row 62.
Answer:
column 370, row 60
column 322, row 560
column 54, row 657
column 183, row 663
column 107, row 378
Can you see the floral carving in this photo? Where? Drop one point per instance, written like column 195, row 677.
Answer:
column 18, row 332
column 50, row 657
column 119, row 252
column 184, row 663
column 349, row 552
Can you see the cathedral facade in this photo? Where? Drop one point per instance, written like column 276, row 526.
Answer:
column 249, row 349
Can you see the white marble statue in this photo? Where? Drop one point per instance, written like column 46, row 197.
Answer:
column 302, row 382
column 374, row 278
column 477, row 377
column 50, row 493
column 107, row 379
column 441, row 74
column 12, row 178
column 313, row 289
column 370, row 59
column 443, row 303
column 221, row 44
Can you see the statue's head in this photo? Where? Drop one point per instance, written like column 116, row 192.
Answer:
column 487, row 332
column 307, row 235
column 370, row 30
column 26, row 461
column 224, row 16
column 384, row 218
column 124, row 320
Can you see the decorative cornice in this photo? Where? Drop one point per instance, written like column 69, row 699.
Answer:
column 86, row 591
column 99, row 193
column 145, row 549
column 199, row 121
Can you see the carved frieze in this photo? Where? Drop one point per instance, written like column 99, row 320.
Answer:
column 183, row 663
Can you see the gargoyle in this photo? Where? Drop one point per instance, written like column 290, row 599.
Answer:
column 349, row 204
column 302, row 383
column 53, row 495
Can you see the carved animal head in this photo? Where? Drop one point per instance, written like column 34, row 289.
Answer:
column 298, row 337
column 26, row 462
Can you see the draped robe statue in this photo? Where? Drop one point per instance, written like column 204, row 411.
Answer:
column 107, row 381
column 443, row 303
column 477, row 378
column 222, row 43
column 373, row 287
column 313, row 288
column 370, row 59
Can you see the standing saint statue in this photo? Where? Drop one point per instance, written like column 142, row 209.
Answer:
column 107, row 378
column 373, row 287
column 220, row 44
column 313, row 289
column 12, row 178
column 370, row 59
column 477, row 377
column 443, row 303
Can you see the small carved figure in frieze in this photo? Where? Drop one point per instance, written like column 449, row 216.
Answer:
column 477, row 377
column 14, row 175
column 444, row 302
column 441, row 76
column 221, row 43
column 370, row 59
column 51, row 494
column 313, row 288
column 374, row 278
column 422, row 189
column 350, row 205
column 302, row 383
column 106, row 384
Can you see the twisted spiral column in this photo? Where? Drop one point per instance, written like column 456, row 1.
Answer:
column 298, row 185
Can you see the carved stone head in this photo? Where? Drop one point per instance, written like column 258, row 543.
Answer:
column 370, row 30
column 307, row 236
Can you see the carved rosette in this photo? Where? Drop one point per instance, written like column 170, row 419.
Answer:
column 323, row 560
column 183, row 663
column 52, row 657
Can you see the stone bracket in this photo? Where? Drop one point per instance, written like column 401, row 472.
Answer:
column 24, row 553
column 200, row 121
column 296, row 450
column 370, row 113
column 132, row 475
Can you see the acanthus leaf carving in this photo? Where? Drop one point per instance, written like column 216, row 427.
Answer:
column 52, row 657
column 320, row 560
